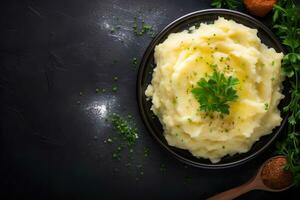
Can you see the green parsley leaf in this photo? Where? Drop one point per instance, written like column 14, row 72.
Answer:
column 231, row 4
column 215, row 93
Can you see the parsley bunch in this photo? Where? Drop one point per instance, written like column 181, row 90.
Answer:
column 215, row 93
column 231, row 4
column 286, row 23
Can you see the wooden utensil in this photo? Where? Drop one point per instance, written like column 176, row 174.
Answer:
column 256, row 183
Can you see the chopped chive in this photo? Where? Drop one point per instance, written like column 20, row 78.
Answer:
column 266, row 106
column 115, row 88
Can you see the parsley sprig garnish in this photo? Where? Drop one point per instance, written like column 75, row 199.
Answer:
column 231, row 4
column 215, row 93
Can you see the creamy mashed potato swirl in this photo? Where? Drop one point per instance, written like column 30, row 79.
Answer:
column 185, row 57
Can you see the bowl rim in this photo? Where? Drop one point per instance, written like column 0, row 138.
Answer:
column 143, row 65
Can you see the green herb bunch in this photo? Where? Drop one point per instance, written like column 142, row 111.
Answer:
column 286, row 23
column 214, row 93
column 231, row 4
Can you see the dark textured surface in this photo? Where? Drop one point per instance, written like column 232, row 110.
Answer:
column 51, row 147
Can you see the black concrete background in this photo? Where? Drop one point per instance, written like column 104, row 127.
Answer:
column 52, row 136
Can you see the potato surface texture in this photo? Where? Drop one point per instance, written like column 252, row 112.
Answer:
column 234, row 50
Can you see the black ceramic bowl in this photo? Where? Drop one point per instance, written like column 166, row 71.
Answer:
column 145, row 76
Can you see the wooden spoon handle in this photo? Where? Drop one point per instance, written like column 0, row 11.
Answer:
column 234, row 192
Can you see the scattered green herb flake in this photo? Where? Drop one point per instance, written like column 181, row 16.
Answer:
column 174, row 101
column 273, row 63
column 109, row 140
column 147, row 27
column 114, row 88
column 134, row 61
column 115, row 78
column 112, row 30
column 266, row 106
column 144, row 28
column 80, row 93
column 103, row 90
column 146, row 152
column 126, row 130
column 272, row 79
column 97, row 90
column 215, row 93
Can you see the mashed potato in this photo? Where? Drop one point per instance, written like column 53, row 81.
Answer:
column 185, row 57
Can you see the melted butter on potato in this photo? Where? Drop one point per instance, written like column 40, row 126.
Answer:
column 235, row 50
